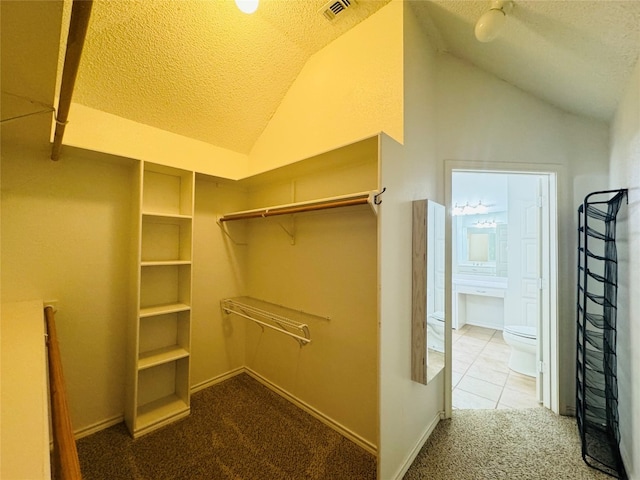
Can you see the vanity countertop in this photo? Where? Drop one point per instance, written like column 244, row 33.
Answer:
column 481, row 281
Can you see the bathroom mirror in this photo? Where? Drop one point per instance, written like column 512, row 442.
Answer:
column 479, row 241
column 428, row 304
column 481, row 245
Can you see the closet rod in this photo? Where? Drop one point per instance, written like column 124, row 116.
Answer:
column 336, row 202
column 80, row 14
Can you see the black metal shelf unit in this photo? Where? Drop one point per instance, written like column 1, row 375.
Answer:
column 596, row 378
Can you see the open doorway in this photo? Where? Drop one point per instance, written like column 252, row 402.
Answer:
column 502, row 287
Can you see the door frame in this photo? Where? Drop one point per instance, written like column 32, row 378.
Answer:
column 549, row 269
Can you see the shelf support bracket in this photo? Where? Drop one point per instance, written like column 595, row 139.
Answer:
column 291, row 234
column 224, row 230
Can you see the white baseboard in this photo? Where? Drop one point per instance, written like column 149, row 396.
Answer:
column 416, row 449
column 98, row 426
column 110, row 422
column 341, row 429
column 215, row 380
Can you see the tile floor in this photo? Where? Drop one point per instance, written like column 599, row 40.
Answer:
column 481, row 376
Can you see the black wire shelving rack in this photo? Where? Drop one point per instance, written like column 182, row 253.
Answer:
column 596, row 376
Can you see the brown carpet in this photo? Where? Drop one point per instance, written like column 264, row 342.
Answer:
column 532, row 444
column 237, row 430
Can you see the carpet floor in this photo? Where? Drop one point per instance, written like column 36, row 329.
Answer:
column 241, row 430
column 238, row 429
column 530, row 444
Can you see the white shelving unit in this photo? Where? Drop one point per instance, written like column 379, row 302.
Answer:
column 160, row 339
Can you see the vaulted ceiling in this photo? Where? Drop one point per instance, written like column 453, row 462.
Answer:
column 577, row 55
column 205, row 70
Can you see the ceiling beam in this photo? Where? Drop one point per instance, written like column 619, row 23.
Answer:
column 80, row 14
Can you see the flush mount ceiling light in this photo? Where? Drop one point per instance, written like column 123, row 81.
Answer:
column 247, row 6
column 490, row 24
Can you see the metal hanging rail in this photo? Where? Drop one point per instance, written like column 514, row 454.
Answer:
column 264, row 314
column 363, row 198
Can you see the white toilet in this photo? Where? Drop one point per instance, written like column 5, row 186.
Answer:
column 435, row 331
column 523, row 341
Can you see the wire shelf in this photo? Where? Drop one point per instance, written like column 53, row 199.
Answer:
column 276, row 317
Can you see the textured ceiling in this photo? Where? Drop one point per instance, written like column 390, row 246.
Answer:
column 203, row 69
column 577, row 55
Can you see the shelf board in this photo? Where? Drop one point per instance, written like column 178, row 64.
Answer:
column 167, row 215
column 158, row 412
column 161, row 356
column 164, row 263
column 163, row 309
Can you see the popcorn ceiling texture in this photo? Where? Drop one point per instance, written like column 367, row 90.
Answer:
column 202, row 69
column 205, row 70
column 577, row 55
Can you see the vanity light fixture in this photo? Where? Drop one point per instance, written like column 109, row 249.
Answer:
column 486, row 224
column 247, row 6
column 480, row 209
column 467, row 209
column 490, row 23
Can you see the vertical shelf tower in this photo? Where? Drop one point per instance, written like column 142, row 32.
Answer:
column 596, row 376
column 160, row 337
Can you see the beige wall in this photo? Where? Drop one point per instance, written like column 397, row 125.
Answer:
column 408, row 410
column 484, row 119
column 219, row 271
column 625, row 173
column 119, row 136
column 330, row 271
column 348, row 91
column 65, row 237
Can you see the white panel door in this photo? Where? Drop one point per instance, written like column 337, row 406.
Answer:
column 530, row 261
column 523, row 266
column 522, row 304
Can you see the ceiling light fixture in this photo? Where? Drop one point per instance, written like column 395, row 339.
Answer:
column 489, row 25
column 247, row 6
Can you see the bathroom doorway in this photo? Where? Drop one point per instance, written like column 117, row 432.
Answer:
column 502, row 287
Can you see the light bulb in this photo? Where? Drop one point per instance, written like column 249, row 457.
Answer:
column 489, row 25
column 247, row 6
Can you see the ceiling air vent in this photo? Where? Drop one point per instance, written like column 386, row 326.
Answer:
column 332, row 9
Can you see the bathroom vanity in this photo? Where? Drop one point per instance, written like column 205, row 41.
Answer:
column 478, row 300
column 479, row 270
